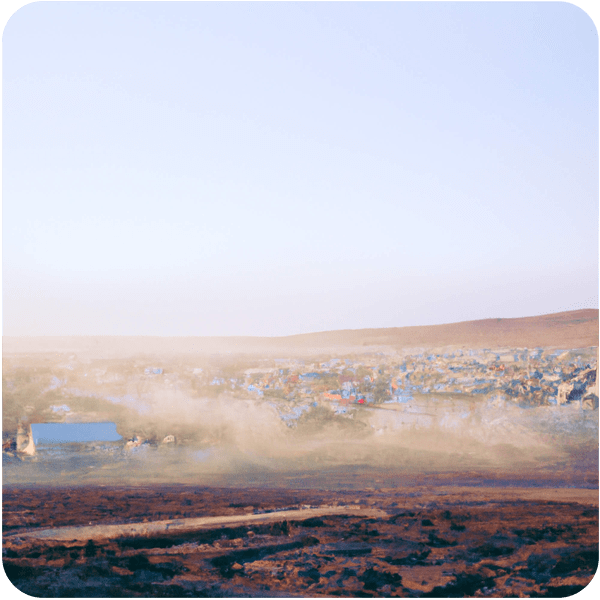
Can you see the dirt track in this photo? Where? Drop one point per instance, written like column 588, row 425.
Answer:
column 179, row 526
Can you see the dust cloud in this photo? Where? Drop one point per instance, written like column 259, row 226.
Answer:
column 228, row 439
column 228, row 424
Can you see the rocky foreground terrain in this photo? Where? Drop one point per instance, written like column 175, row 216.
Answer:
column 428, row 542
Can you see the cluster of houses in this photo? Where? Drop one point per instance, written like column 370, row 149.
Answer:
column 525, row 377
column 529, row 377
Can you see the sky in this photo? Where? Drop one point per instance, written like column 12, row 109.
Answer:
column 180, row 169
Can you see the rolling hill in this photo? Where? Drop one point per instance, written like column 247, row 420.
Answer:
column 572, row 329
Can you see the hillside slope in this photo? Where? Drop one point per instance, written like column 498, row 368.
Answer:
column 572, row 329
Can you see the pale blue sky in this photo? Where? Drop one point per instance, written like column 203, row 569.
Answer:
column 280, row 168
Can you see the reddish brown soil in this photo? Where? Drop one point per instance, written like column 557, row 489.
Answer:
column 436, row 542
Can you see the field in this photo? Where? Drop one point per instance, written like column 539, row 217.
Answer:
column 430, row 541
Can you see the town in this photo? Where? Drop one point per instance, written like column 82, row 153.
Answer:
column 528, row 377
column 298, row 390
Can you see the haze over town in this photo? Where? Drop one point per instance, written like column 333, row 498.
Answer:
column 282, row 168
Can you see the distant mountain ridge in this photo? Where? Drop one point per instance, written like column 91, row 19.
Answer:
column 577, row 328
column 572, row 329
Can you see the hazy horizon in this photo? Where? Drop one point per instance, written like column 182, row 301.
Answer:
column 249, row 169
column 303, row 333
